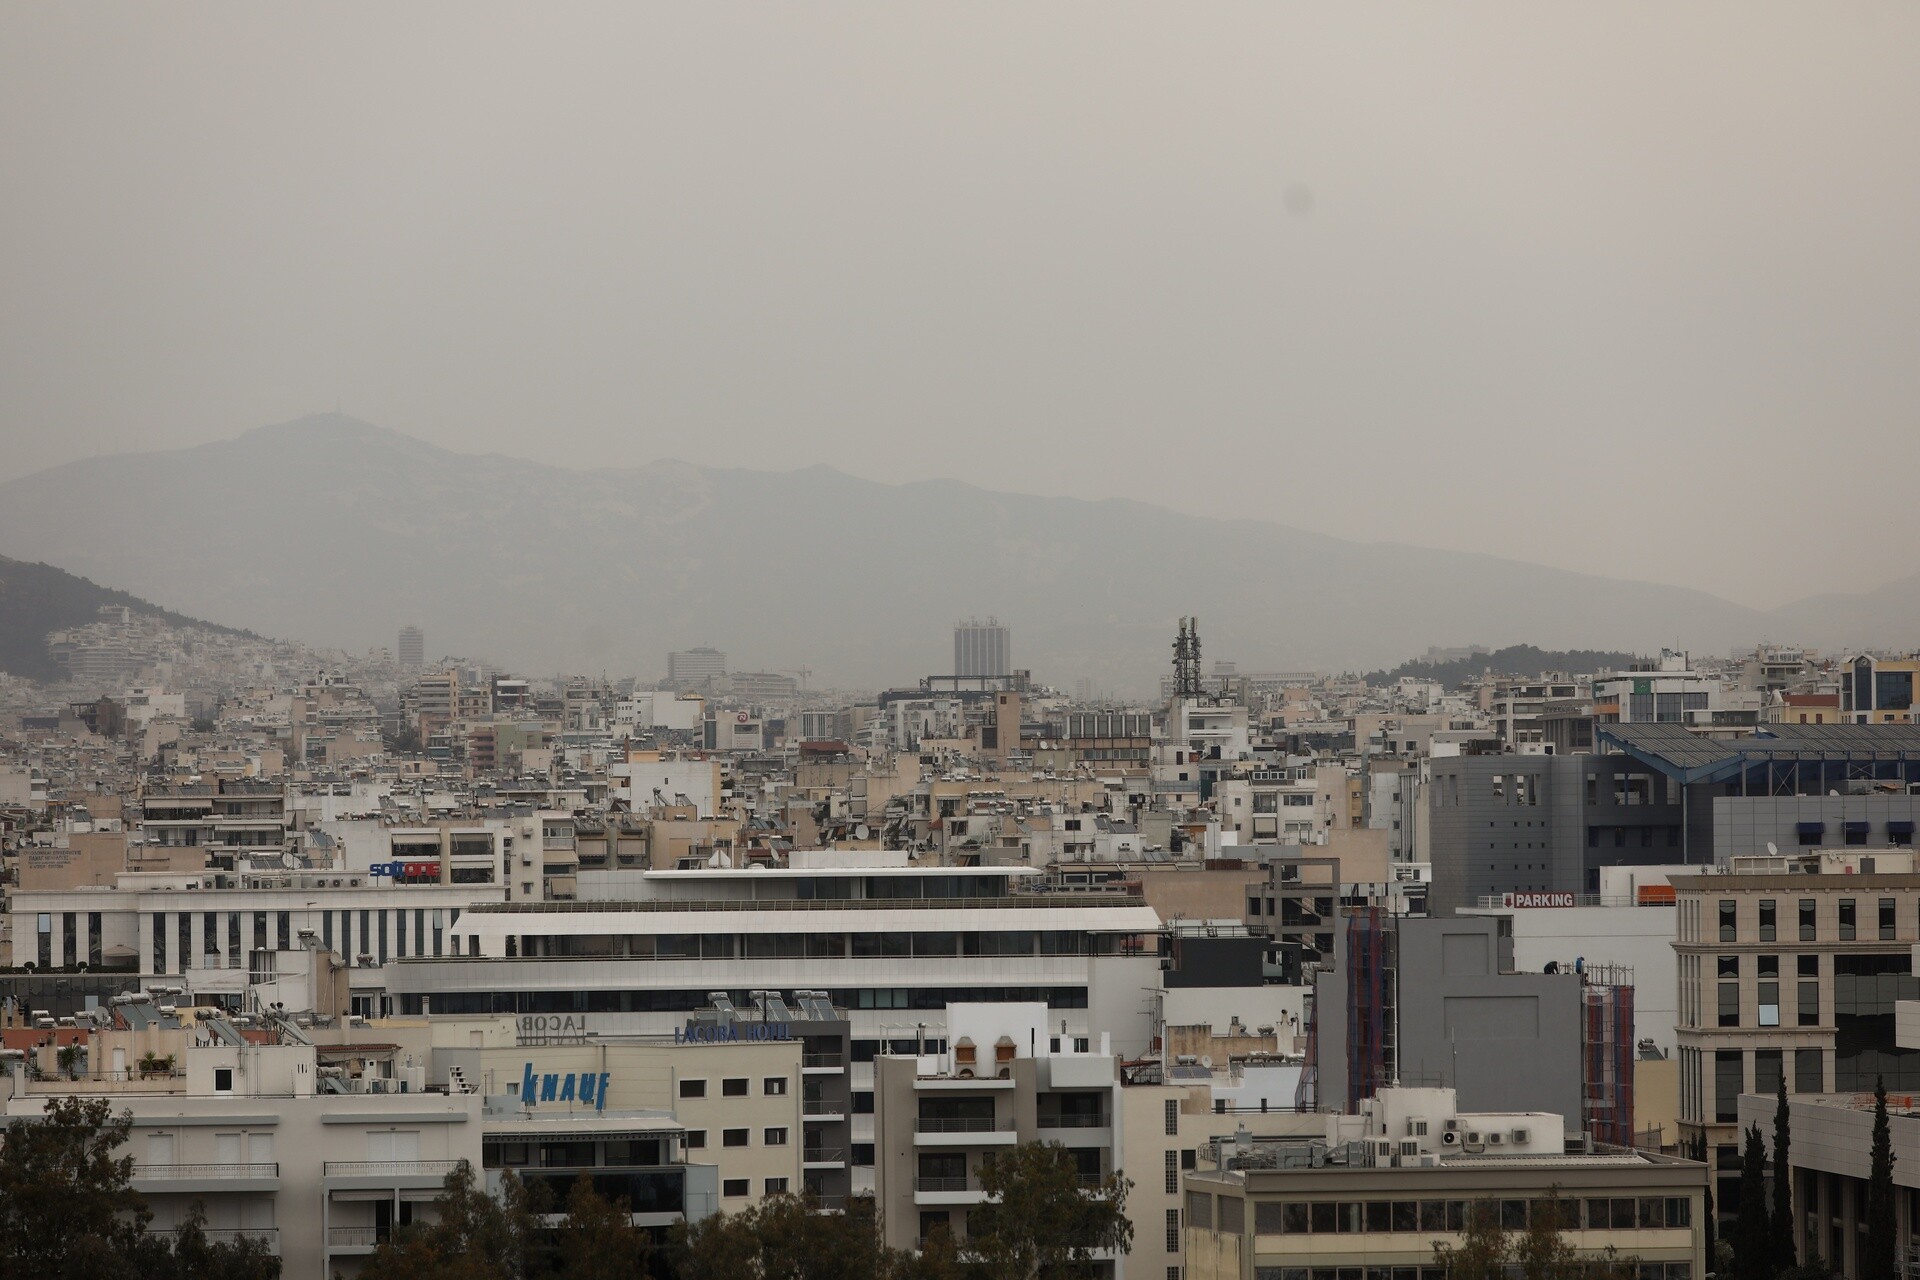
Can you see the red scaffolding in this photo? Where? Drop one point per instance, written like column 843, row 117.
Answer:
column 1608, row 1054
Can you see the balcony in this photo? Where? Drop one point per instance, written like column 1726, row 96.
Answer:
column 826, row 1157
column 946, row 1191
column 822, row 1062
column 964, row 1131
column 356, row 1239
column 186, row 1179
column 415, row 1174
column 1070, row 1122
column 268, row 1236
column 823, row 1108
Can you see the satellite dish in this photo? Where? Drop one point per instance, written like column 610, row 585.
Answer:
column 1773, row 850
column 1206, row 1060
column 861, row 832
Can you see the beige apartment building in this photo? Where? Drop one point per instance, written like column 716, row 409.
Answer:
column 1371, row 1197
column 740, row 1103
column 1790, row 966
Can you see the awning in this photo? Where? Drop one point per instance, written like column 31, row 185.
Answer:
column 1899, row 827
column 1810, row 828
column 1855, row 828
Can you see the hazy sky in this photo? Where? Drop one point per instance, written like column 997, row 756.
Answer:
column 1626, row 288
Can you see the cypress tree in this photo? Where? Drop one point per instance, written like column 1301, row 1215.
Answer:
column 1877, row 1253
column 1753, row 1227
column 1783, row 1252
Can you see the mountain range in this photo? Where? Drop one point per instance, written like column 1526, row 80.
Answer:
column 337, row 532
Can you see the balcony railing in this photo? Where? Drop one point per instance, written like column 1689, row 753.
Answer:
column 822, row 1060
column 1071, row 1122
column 824, row 1155
column 165, row 1172
column 269, row 1236
column 822, row 1107
column 940, row 1184
column 963, row 1124
column 391, row 1168
column 364, row 1237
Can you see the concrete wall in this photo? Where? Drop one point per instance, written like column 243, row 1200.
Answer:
column 1638, row 937
column 1505, row 1041
column 1743, row 825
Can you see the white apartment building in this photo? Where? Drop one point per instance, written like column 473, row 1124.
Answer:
column 252, row 1133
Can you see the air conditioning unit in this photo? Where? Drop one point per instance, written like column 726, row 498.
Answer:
column 1451, row 1138
column 1381, row 1149
column 1416, row 1126
column 1475, row 1138
column 1523, row 1136
column 1495, row 1137
column 1408, row 1147
column 1427, row 1160
column 1452, row 1124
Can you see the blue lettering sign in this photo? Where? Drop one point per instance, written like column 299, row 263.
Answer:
column 564, row 1086
column 732, row 1033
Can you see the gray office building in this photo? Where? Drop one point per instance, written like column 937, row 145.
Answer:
column 1662, row 795
column 412, row 649
column 1437, row 1003
column 981, row 648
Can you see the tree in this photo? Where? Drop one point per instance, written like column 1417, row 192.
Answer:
column 1038, row 1220
column 1483, row 1250
column 1782, row 1233
column 1753, row 1227
column 787, row 1238
column 598, row 1240
column 67, row 1207
column 472, row 1237
column 191, row 1256
column 1877, row 1251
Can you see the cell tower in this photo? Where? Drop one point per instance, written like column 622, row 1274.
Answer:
column 1186, row 660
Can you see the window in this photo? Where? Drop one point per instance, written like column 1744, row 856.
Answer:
column 774, row 1086
column 1768, row 1069
column 774, row 1138
column 1809, row 1071
column 776, row 1186
column 1809, row 1015
column 1173, row 1231
column 1173, row 1173
column 863, row 1153
column 1729, row 1077
column 1886, row 919
column 1766, row 920
column 1806, row 920
column 223, row 1079
column 734, row 1137
column 1848, row 920
column 1730, row 1004
column 736, row 1088
column 693, row 1088
column 1173, row 1117
column 736, row 1188
column 696, row 1139
column 1727, row 920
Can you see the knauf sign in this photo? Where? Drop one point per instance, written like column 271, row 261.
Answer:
column 584, row 1087
column 714, row 1033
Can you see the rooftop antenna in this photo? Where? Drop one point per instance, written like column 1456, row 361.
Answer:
column 1186, row 660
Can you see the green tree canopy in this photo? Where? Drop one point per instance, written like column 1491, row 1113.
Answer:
column 1037, row 1220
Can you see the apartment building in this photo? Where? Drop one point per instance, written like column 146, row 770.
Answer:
column 1378, row 1190
column 255, row 1134
column 1007, row 1075
column 1790, row 967
column 1878, row 690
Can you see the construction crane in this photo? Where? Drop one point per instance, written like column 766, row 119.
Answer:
column 803, row 672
